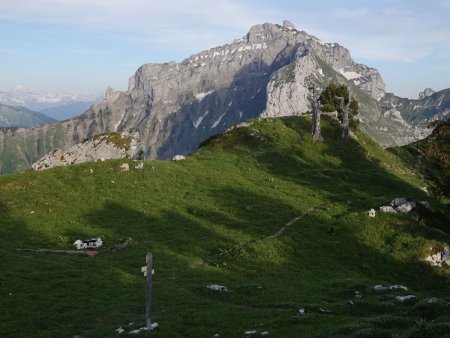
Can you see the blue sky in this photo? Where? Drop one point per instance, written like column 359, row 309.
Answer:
column 83, row 46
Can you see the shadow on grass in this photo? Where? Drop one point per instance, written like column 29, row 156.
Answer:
column 343, row 172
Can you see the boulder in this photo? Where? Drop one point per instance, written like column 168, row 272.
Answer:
column 439, row 258
column 398, row 201
column 406, row 207
column 178, row 158
column 403, row 299
column 371, row 213
column 217, row 287
column 388, row 209
column 124, row 167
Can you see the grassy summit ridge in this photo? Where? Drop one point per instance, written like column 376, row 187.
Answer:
column 198, row 217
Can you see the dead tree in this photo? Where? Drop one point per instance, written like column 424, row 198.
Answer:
column 345, row 112
column 316, row 135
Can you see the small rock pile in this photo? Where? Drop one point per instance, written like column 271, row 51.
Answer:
column 399, row 205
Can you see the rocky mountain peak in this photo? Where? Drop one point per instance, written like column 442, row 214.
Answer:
column 287, row 24
column 427, row 92
column 176, row 106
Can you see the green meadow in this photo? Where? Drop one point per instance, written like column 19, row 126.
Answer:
column 279, row 220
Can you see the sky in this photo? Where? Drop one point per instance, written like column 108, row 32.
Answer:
column 84, row 46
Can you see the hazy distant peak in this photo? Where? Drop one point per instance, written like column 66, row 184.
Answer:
column 427, row 92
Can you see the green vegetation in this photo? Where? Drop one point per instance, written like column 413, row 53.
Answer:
column 437, row 152
column 434, row 154
column 115, row 139
column 331, row 103
column 220, row 218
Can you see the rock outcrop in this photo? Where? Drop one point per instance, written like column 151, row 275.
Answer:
column 101, row 147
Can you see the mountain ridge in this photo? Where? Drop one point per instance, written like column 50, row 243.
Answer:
column 175, row 106
column 15, row 117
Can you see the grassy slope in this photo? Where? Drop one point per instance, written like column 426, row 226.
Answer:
column 240, row 187
column 21, row 117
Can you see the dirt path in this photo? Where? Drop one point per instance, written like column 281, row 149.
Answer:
column 277, row 233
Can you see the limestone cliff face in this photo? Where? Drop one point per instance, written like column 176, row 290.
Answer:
column 175, row 106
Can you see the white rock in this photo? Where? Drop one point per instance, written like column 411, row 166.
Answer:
column 120, row 330
column 403, row 299
column 153, row 326
column 398, row 287
column 301, row 311
column 250, row 332
column 406, row 207
column 371, row 213
column 135, row 331
column 264, row 333
column 392, row 287
column 439, row 258
column 88, row 243
column 140, row 166
column 398, row 201
column 124, row 167
column 388, row 209
column 178, row 158
column 217, row 287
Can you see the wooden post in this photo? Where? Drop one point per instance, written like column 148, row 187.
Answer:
column 148, row 312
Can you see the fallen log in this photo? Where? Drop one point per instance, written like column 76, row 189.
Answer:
column 121, row 246
column 89, row 253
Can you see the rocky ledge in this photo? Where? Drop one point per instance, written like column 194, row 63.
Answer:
column 99, row 148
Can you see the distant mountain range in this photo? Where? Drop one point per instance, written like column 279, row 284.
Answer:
column 21, row 117
column 267, row 73
column 429, row 107
column 59, row 106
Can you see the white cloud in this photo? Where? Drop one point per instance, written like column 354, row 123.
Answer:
column 390, row 32
column 174, row 24
column 381, row 34
column 133, row 15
